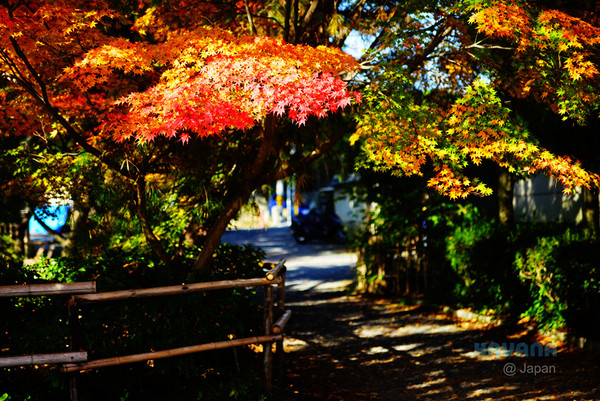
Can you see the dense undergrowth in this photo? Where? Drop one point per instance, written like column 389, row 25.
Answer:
column 41, row 325
column 545, row 273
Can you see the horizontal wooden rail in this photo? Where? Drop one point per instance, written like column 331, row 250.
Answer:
column 121, row 360
column 280, row 324
column 274, row 272
column 43, row 359
column 27, row 290
column 85, row 292
column 173, row 290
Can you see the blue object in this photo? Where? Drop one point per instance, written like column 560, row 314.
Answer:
column 54, row 217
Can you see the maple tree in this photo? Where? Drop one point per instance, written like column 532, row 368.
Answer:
column 440, row 80
column 182, row 122
column 178, row 111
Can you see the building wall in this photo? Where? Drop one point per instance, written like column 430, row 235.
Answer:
column 541, row 199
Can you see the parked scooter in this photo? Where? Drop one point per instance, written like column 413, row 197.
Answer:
column 316, row 225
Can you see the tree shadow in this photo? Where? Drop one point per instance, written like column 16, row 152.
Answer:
column 364, row 350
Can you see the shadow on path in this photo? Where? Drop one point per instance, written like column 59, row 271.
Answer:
column 357, row 349
column 344, row 347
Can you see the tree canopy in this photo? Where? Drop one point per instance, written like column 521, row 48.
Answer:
column 162, row 117
column 181, row 113
column 443, row 79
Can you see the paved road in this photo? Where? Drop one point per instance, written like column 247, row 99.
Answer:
column 313, row 268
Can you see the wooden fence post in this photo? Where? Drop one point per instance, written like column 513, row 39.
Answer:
column 280, row 312
column 267, row 347
column 73, row 311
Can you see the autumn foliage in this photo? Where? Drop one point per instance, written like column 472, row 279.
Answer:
column 129, row 86
column 213, row 81
column 203, row 81
column 145, row 89
column 453, row 114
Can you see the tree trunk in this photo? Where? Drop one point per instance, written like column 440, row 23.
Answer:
column 22, row 243
column 152, row 239
column 260, row 171
column 506, row 211
column 214, row 234
column 591, row 209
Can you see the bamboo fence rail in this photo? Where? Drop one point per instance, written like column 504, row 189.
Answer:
column 275, row 271
column 28, row 290
column 43, row 359
column 280, row 324
column 85, row 292
column 122, row 360
column 172, row 290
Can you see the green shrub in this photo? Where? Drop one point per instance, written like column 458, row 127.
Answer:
column 40, row 325
column 563, row 275
column 548, row 272
column 8, row 249
column 480, row 252
column 397, row 244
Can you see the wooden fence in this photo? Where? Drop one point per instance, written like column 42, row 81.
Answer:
column 85, row 293
column 9, row 229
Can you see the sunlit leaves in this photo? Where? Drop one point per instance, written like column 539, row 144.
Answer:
column 402, row 137
column 212, row 81
column 556, row 54
column 418, row 117
column 570, row 31
column 98, row 65
column 502, row 20
column 188, row 82
column 580, row 67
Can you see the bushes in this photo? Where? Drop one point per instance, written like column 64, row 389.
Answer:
column 547, row 272
column 562, row 273
column 481, row 253
column 124, row 327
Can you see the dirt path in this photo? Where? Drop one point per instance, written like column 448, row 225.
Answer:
column 343, row 347
column 358, row 349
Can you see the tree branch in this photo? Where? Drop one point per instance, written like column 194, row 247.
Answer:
column 309, row 13
column 488, row 47
column 443, row 31
column 310, row 157
column 44, row 100
column 295, row 22
column 30, row 68
column 287, row 17
column 266, row 147
column 142, row 205
column 250, row 20
column 255, row 174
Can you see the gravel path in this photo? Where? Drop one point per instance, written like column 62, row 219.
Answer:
column 344, row 347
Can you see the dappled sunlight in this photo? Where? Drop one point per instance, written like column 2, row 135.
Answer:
column 376, row 350
column 318, row 285
column 373, row 331
column 407, row 347
column 364, row 350
column 339, row 285
column 488, row 391
column 426, row 384
column 342, row 347
column 291, row 344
